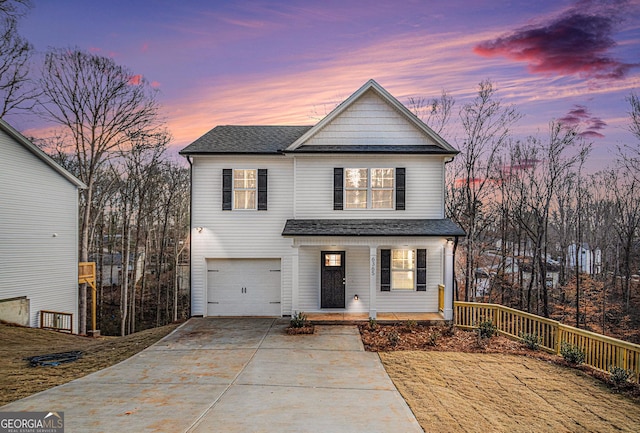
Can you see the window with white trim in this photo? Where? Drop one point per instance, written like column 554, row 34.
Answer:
column 366, row 188
column 403, row 269
column 245, row 189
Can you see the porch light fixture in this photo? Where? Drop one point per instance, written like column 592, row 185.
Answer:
column 450, row 241
column 199, row 229
column 355, row 297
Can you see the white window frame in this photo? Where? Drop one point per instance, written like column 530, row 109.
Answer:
column 369, row 189
column 235, row 189
column 413, row 269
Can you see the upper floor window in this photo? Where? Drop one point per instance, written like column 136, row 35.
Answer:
column 369, row 188
column 245, row 189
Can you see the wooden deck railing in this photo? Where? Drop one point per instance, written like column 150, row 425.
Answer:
column 441, row 298
column 601, row 352
column 57, row 321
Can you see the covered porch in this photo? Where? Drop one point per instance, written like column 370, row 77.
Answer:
column 347, row 270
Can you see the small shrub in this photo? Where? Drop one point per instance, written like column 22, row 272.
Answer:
column 447, row 330
column 373, row 324
column 433, row 337
column 393, row 338
column 572, row 353
column 619, row 376
column 411, row 324
column 299, row 320
column 532, row 341
column 486, row 329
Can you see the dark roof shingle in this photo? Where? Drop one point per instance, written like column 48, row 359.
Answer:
column 372, row 227
column 245, row 139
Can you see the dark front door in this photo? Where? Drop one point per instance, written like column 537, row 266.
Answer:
column 332, row 280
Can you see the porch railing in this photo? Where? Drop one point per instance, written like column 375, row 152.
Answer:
column 57, row 321
column 601, row 352
column 441, row 298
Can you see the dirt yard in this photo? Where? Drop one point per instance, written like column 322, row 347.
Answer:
column 19, row 380
column 454, row 382
column 474, row 392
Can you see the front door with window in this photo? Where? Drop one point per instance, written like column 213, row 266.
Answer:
column 332, row 280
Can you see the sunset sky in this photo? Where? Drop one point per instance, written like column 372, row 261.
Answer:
column 290, row 62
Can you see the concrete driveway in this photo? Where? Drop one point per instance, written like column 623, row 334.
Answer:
column 236, row 375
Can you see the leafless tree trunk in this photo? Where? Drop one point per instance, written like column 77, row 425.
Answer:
column 101, row 106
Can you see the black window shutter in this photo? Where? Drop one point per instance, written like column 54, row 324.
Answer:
column 262, row 189
column 227, row 188
column 421, row 280
column 400, row 188
column 385, row 270
column 338, row 189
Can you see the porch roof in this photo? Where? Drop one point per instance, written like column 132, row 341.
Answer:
column 372, row 227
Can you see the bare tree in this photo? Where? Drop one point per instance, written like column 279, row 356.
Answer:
column 101, row 107
column 16, row 90
column 486, row 124
column 435, row 112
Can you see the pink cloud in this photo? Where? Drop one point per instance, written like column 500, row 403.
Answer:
column 155, row 84
column 577, row 42
column 136, row 80
column 580, row 117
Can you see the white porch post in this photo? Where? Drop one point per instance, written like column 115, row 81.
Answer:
column 294, row 280
column 448, row 281
column 373, row 265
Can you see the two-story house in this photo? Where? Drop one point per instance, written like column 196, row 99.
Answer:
column 343, row 216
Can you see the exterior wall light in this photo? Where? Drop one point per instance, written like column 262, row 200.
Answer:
column 355, row 297
column 199, row 229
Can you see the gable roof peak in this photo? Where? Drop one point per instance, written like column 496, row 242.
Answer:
column 372, row 85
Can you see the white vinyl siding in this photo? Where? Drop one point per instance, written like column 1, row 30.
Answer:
column 38, row 233
column 369, row 121
column 424, row 189
column 237, row 235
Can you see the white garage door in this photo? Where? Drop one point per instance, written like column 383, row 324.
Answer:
column 243, row 287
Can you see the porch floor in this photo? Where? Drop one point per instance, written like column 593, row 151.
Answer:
column 339, row 318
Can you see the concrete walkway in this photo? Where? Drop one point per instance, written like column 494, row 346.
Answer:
column 236, row 375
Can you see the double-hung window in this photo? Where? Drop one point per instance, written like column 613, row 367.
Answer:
column 403, row 270
column 245, row 189
column 368, row 188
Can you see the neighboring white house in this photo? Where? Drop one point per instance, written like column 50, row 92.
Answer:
column 589, row 261
column 344, row 216
column 38, row 228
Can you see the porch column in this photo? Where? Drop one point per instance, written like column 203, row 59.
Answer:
column 448, row 280
column 373, row 265
column 294, row 280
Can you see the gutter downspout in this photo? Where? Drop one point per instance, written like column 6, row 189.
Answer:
column 190, row 229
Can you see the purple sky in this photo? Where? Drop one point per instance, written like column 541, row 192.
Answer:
column 290, row 62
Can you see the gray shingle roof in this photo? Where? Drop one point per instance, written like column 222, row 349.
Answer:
column 245, row 139
column 372, row 227
column 416, row 149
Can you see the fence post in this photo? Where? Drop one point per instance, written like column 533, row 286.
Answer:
column 558, row 337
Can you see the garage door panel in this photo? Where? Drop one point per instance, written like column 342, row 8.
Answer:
column 243, row 287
